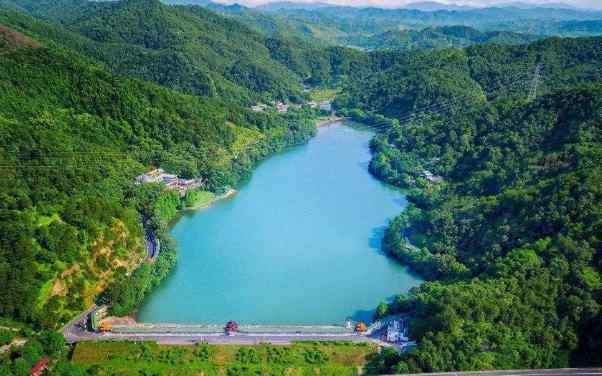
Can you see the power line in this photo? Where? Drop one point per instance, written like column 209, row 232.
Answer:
column 441, row 106
column 535, row 82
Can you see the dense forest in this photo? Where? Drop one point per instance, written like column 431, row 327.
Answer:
column 186, row 48
column 73, row 137
column 435, row 37
column 409, row 27
column 505, row 201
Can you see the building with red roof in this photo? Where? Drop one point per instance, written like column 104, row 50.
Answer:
column 39, row 367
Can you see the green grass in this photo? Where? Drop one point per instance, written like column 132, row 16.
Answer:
column 319, row 95
column 6, row 336
column 244, row 138
column 199, row 198
column 44, row 293
column 315, row 358
column 44, row 220
column 7, row 322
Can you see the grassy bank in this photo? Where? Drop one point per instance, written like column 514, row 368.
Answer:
column 126, row 358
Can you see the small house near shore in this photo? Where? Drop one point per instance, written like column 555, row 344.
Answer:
column 431, row 177
column 282, row 107
column 171, row 181
column 260, row 107
column 325, row 106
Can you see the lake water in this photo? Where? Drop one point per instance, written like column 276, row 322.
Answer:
column 299, row 243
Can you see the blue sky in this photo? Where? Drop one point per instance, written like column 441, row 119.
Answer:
column 396, row 3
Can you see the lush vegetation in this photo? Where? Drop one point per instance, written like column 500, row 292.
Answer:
column 409, row 28
column 435, row 37
column 6, row 336
column 196, row 199
column 72, row 138
column 186, row 48
column 18, row 361
column 105, row 358
column 505, row 202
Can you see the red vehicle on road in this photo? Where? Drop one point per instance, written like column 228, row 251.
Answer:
column 231, row 327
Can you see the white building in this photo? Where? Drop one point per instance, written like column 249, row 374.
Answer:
column 171, row 181
column 431, row 177
column 260, row 107
column 153, row 176
column 325, row 106
column 396, row 331
column 282, row 107
column 393, row 331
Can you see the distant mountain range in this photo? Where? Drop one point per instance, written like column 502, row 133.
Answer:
column 523, row 5
column 418, row 25
column 437, row 37
column 432, row 6
column 274, row 6
column 427, row 6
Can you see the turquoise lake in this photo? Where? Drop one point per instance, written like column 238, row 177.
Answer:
column 298, row 244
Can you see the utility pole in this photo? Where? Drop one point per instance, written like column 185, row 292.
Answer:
column 535, row 81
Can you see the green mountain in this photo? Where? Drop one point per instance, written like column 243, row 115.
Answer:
column 72, row 138
column 505, row 200
column 373, row 28
column 580, row 28
column 514, row 229
column 403, row 82
column 71, row 94
column 353, row 19
column 435, row 37
column 187, row 48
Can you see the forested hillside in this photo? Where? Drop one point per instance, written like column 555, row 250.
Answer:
column 373, row 28
column 400, row 83
column 306, row 28
column 505, row 196
column 435, row 37
column 372, row 19
column 186, row 48
column 72, row 138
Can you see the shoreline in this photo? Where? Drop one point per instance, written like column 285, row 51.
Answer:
column 328, row 121
column 131, row 320
column 229, row 193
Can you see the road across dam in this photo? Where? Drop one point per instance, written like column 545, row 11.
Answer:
column 76, row 331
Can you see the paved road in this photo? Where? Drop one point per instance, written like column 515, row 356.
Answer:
column 235, row 339
column 151, row 243
column 17, row 342
column 528, row 372
column 76, row 334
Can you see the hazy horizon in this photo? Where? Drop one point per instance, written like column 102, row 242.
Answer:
column 591, row 4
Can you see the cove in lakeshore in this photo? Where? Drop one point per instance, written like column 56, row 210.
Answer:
column 298, row 244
